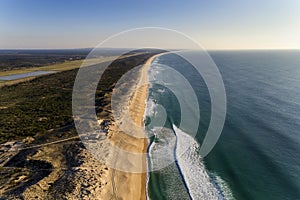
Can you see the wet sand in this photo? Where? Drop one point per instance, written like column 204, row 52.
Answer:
column 127, row 185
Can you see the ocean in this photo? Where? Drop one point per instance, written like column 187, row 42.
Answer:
column 258, row 153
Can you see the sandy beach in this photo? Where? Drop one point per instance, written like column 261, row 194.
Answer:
column 126, row 185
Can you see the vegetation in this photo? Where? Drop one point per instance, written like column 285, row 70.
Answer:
column 20, row 59
column 43, row 107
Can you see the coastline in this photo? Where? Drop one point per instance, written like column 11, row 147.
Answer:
column 147, row 141
column 145, row 176
column 126, row 185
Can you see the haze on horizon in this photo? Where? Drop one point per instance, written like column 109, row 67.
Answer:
column 247, row 24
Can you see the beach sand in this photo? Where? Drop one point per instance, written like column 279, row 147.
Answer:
column 126, row 185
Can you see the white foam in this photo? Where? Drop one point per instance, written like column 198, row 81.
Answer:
column 150, row 108
column 193, row 170
column 223, row 186
column 196, row 178
column 161, row 91
column 161, row 154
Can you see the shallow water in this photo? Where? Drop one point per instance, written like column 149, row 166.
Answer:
column 25, row 75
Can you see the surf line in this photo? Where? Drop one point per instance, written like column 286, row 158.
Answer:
column 176, row 161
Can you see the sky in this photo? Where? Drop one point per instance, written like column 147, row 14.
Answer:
column 215, row 24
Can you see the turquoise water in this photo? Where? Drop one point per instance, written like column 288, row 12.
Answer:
column 258, row 153
column 24, row 75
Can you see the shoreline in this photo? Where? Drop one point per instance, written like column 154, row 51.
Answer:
column 145, row 178
column 127, row 185
column 147, row 141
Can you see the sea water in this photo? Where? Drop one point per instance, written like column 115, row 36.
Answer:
column 258, row 153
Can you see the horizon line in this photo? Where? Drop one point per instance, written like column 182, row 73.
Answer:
column 208, row 49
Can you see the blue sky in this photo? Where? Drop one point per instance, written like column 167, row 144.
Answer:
column 226, row 24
